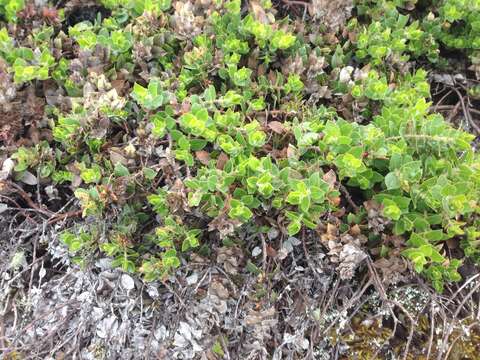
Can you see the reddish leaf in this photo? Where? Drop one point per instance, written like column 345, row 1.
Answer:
column 50, row 14
column 335, row 201
column 222, row 160
column 203, row 156
column 185, row 108
column 271, row 251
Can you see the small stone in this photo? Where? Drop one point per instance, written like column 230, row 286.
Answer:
column 273, row 233
column 3, row 207
column 127, row 282
column 152, row 291
column 192, row 279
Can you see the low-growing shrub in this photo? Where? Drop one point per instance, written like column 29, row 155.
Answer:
column 191, row 118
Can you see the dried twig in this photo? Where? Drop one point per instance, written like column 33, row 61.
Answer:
column 448, row 331
column 18, row 189
column 348, row 197
column 46, row 314
column 172, row 290
column 295, row 2
column 466, row 111
column 438, row 105
column 64, row 216
column 432, row 331
column 453, row 112
column 381, row 290
column 350, row 303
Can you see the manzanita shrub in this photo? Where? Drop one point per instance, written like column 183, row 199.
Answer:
column 190, row 118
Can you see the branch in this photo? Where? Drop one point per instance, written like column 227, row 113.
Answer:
column 64, row 216
column 348, row 197
column 28, row 200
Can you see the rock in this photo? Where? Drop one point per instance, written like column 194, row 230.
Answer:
column 127, row 282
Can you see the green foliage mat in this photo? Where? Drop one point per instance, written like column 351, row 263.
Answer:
column 177, row 124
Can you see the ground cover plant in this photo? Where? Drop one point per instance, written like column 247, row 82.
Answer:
column 160, row 136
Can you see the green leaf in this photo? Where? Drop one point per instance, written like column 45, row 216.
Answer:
column 294, row 198
column 305, row 203
column 252, row 268
column 217, row 349
column 317, row 194
column 139, row 93
column 239, row 211
column 435, row 256
column 411, row 171
column 417, row 257
column 416, row 240
column 92, row 175
column 282, row 40
column 185, row 244
column 433, row 235
column 392, row 211
column 121, row 170
column 294, row 227
column 392, row 181
column 210, row 94
column 149, row 174
column 241, row 77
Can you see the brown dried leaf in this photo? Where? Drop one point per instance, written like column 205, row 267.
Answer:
column 271, row 252
column 185, row 108
column 256, row 317
column 332, row 13
column 335, row 201
column 330, row 178
column 217, row 289
column 18, row 114
column 50, row 14
column 376, row 222
column 202, row 156
column 395, row 241
column 258, row 12
column 355, row 230
column 339, row 213
column 291, row 151
column 452, row 243
column 116, row 156
column 230, row 258
column 222, row 160
column 120, row 85
column 276, row 126
column 349, row 259
column 272, row 77
column 177, row 198
column 392, row 269
column 224, row 225
column 279, row 154
column 330, row 233
column 261, row 70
